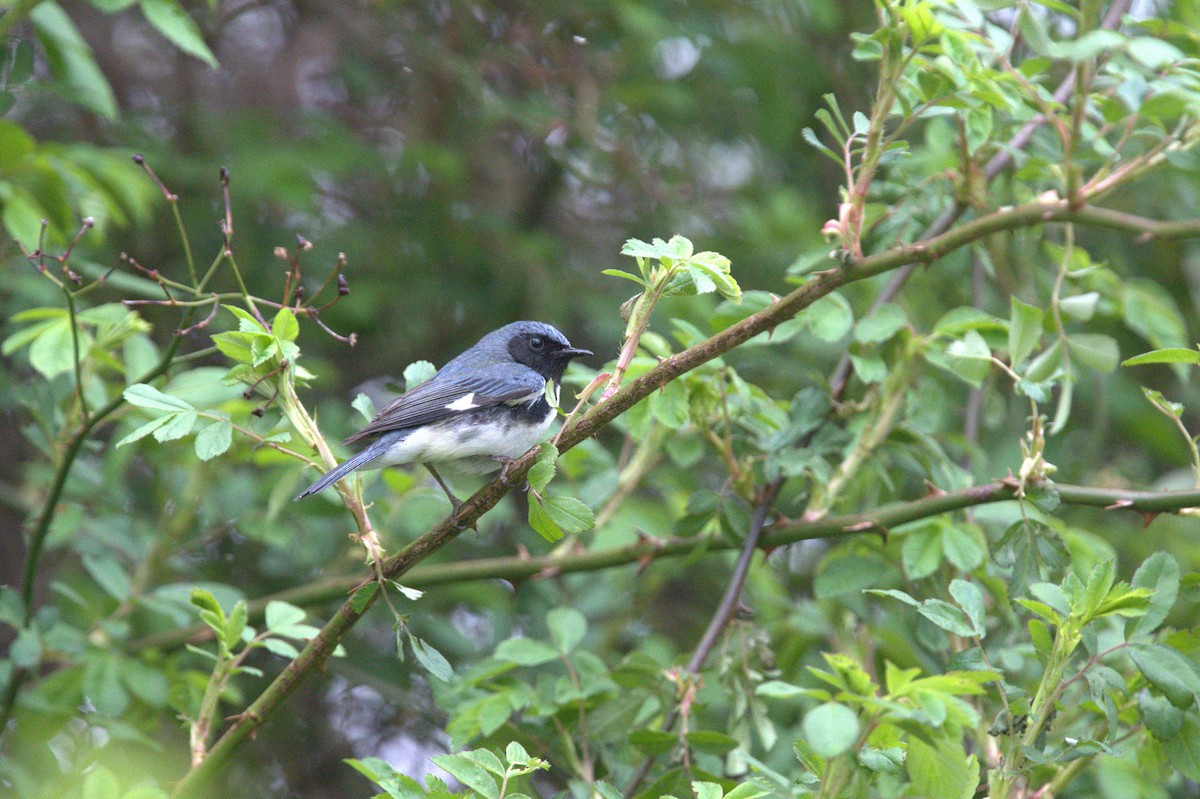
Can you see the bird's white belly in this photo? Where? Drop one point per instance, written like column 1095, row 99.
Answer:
column 465, row 446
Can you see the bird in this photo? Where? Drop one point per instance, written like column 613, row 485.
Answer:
column 483, row 409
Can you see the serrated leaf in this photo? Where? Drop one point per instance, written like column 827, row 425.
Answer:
column 525, row 651
column 278, row 646
column 146, row 396
column 214, row 439
column 1160, row 574
column 176, row 426
column 1095, row 351
column 569, row 514
column 1024, row 330
column 1166, row 355
column 361, row 598
column 417, row 373
column 541, row 521
column 282, row 615
column 831, row 728
column 143, row 431
column 626, row 275
column 515, row 754
column 180, row 29
column 70, row 61
column 433, row 661
column 567, row 628
column 234, row 625
column 469, row 773
column 285, row 327
column 1168, row 671
column 970, row 598
column 543, row 470
column 880, row 325
column 948, row 617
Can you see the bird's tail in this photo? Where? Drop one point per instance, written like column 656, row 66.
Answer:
column 344, row 468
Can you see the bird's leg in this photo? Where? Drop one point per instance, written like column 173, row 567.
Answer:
column 504, row 464
column 455, row 502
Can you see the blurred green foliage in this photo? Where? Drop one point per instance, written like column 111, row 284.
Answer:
column 465, row 166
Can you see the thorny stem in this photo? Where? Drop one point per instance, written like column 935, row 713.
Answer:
column 784, row 532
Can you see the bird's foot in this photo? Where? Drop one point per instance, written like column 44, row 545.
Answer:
column 505, row 463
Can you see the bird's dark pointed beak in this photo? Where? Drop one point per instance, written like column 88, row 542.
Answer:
column 573, row 352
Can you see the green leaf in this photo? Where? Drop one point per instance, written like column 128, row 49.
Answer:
column 70, row 60
column 394, row 784
column 53, row 351
column 569, row 514
column 1183, row 749
column 882, row 761
column 281, row 617
column 417, row 373
column 1095, row 351
column 829, row 318
column 881, row 325
column 654, row 742
column 964, row 545
column 234, row 625
column 101, row 783
column 284, row 327
column 432, row 660
column 146, row 396
column 181, row 30
column 235, row 345
column 541, row 521
column 363, row 404
column 894, row 594
column 470, row 774
column 1168, row 671
column 940, row 769
column 247, row 322
column 278, row 646
column 515, row 754
column 25, row 652
column 1168, row 355
column 717, row 743
column 145, row 430
column 626, row 275
column 970, row 598
column 1024, row 330
column 1163, row 719
column 567, row 628
column 524, row 651
column 177, row 426
column 706, row 790
column 214, row 439
column 361, row 599
column 109, row 575
column 948, row 617
column 1160, row 574
column 543, row 469
column 921, row 551
column 831, row 728
column 970, row 358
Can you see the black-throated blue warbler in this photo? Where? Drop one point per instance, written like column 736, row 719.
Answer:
column 484, row 408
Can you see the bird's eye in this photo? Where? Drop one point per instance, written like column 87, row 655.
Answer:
column 536, row 343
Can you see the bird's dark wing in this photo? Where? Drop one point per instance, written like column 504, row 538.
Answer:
column 443, row 397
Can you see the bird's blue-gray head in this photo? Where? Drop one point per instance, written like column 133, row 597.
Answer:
column 537, row 345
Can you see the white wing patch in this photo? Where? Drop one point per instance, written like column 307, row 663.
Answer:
column 463, row 403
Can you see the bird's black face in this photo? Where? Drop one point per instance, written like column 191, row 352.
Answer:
column 545, row 351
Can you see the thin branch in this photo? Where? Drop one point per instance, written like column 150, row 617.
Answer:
column 721, row 616
column 517, row 568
